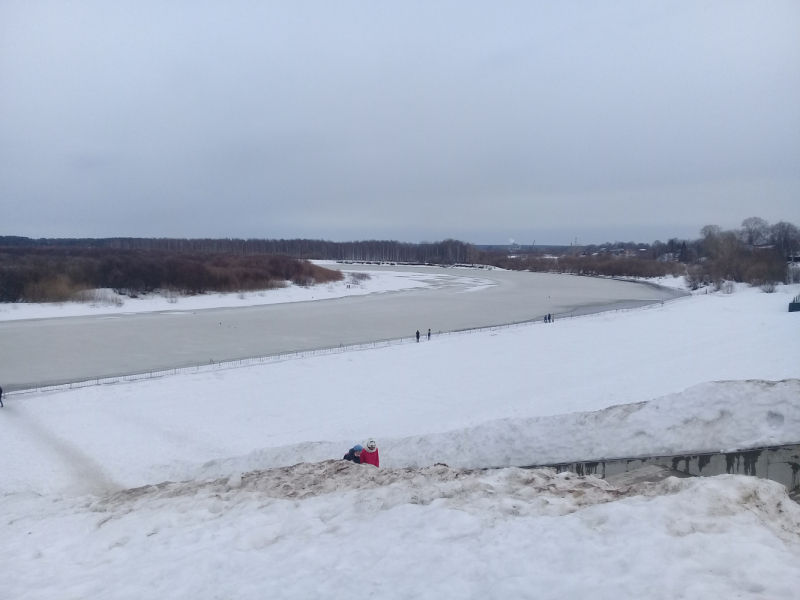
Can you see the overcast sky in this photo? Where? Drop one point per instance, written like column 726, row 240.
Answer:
column 415, row 121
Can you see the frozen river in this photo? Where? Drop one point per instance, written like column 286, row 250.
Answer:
column 40, row 351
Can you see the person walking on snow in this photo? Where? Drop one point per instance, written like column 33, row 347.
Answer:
column 370, row 454
column 354, row 455
column 429, row 334
column 417, row 335
column 1, row 397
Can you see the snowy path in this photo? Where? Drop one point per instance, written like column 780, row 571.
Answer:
column 61, row 462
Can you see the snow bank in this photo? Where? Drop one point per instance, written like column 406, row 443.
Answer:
column 709, row 417
column 110, row 303
column 672, row 282
column 336, row 530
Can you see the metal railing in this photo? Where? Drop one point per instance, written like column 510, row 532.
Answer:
column 341, row 348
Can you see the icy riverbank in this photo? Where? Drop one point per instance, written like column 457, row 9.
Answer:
column 109, row 303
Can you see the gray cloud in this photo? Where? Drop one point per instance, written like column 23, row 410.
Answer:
column 404, row 120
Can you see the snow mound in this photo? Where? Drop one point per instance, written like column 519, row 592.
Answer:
column 335, row 530
column 402, row 485
column 512, row 491
column 710, row 417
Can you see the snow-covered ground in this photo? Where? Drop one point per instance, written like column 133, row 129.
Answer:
column 676, row 283
column 72, row 528
column 337, row 530
column 106, row 302
column 709, row 417
column 165, row 428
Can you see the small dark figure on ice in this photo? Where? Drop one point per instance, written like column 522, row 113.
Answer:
column 417, row 335
column 1, row 397
column 429, row 334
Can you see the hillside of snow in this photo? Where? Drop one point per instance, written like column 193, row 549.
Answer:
column 133, row 434
column 221, row 484
column 709, row 417
column 337, row 530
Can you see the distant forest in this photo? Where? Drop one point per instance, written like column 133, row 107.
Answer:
column 57, row 274
column 445, row 252
column 758, row 253
column 55, row 270
column 41, row 270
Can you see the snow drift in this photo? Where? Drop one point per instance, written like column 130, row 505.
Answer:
column 335, row 530
column 710, row 417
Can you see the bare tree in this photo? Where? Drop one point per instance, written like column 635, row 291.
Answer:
column 710, row 239
column 755, row 231
column 728, row 256
column 785, row 237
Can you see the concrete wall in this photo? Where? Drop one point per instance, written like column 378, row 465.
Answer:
column 778, row 463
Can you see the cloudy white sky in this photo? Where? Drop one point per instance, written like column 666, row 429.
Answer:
column 415, row 121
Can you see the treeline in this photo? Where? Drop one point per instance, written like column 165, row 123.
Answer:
column 754, row 233
column 757, row 253
column 673, row 249
column 37, row 274
column 444, row 252
column 604, row 265
column 52, row 269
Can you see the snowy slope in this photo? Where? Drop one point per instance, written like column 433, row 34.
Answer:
column 133, row 434
column 604, row 385
column 705, row 418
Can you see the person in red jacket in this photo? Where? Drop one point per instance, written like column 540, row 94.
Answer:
column 369, row 456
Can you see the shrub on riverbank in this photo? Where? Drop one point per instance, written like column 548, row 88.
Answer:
column 608, row 266
column 58, row 274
